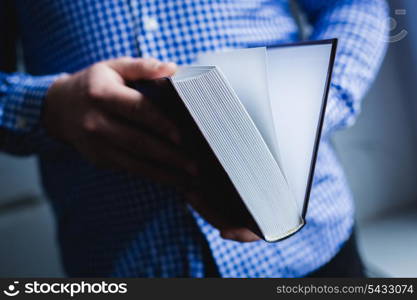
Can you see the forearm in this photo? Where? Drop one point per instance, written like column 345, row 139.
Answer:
column 21, row 103
column 361, row 28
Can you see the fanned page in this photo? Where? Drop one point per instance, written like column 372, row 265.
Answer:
column 297, row 77
column 283, row 89
column 245, row 70
column 240, row 148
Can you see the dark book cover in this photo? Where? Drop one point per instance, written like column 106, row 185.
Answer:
column 219, row 196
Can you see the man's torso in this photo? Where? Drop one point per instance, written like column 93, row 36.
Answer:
column 111, row 223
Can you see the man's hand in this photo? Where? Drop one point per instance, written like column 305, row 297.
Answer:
column 115, row 126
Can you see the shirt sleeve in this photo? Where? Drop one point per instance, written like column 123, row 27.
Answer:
column 361, row 28
column 21, row 95
column 21, row 103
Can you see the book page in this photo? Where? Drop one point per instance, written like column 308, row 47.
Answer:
column 297, row 79
column 245, row 70
column 242, row 152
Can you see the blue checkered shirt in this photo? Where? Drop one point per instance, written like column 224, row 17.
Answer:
column 114, row 224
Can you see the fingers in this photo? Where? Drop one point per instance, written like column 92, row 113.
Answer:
column 141, row 68
column 239, row 234
column 144, row 145
column 107, row 90
column 131, row 105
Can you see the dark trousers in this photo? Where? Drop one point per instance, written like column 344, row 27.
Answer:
column 346, row 263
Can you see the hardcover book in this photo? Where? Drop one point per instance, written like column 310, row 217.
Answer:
column 252, row 119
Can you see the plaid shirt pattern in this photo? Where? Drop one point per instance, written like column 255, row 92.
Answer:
column 114, row 224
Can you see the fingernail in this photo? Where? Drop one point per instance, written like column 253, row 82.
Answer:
column 153, row 64
column 172, row 65
column 156, row 65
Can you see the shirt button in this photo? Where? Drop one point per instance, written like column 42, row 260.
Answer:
column 150, row 24
column 21, row 123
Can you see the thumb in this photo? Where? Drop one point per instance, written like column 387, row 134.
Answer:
column 130, row 68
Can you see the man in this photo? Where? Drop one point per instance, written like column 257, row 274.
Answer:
column 112, row 164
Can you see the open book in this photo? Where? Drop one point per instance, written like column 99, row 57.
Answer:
column 252, row 118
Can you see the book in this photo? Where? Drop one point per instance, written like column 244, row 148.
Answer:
column 252, row 119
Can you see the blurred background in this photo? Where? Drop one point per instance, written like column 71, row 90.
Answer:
column 379, row 155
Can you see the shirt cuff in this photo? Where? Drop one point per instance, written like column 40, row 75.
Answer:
column 22, row 108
